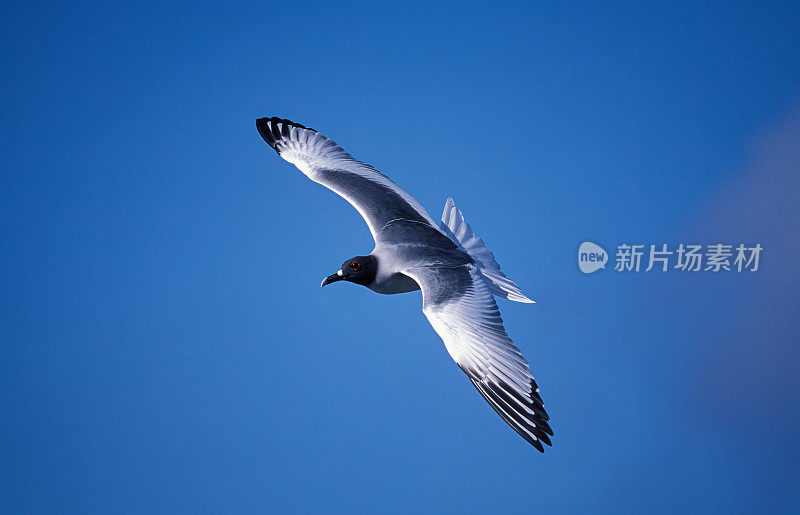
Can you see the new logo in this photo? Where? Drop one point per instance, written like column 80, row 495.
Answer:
column 591, row 257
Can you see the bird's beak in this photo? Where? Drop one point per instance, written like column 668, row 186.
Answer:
column 338, row 276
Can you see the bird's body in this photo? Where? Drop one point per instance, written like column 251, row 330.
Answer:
column 395, row 256
column 457, row 274
column 390, row 280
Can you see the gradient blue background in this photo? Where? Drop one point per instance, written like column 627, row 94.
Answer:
column 165, row 343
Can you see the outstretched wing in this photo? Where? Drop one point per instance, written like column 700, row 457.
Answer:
column 375, row 196
column 461, row 309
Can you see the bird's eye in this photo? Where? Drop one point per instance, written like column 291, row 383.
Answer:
column 355, row 266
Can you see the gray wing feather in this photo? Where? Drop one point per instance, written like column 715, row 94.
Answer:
column 375, row 196
column 460, row 307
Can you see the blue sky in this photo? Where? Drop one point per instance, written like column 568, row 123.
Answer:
column 166, row 345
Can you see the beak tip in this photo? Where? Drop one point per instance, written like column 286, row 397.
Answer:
column 332, row 279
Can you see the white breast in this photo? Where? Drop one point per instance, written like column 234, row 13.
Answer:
column 395, row 283
column 389, row 280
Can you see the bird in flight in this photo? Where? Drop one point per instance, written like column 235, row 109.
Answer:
column 457, row 274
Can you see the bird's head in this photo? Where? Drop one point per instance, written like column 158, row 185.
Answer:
column 359, row 270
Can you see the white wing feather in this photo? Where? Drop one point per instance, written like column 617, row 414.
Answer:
column 374, row 195
column 457, row 229
column 470, row 325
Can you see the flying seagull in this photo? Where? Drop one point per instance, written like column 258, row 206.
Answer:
column 457, row 274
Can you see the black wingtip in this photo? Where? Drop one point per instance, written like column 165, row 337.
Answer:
column 268, row 128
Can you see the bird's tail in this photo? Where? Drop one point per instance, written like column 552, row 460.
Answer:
column 454, row 225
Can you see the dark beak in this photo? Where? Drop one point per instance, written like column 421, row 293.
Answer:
column 338, row 276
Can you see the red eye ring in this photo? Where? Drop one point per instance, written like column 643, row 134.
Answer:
column 355, row 266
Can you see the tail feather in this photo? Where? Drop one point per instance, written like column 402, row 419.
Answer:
column 454, row 225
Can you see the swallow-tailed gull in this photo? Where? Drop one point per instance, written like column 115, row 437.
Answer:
column 457, row 274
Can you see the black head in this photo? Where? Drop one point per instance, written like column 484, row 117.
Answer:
column 359, row 270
